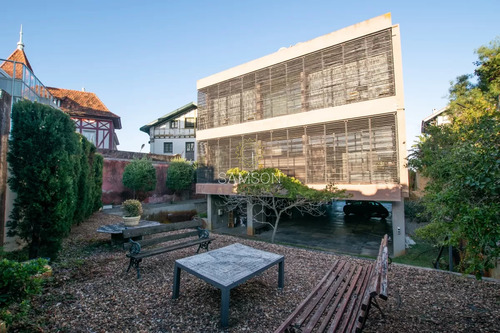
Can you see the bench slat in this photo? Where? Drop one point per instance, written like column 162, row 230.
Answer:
column 338, row 298
column 355, row 300
column 321, row 309
column 341, row 300
column 360, row 298
column 383, row 274
column 134, row 232
column 162, row 239
column 375, row 281
column 298, row 309
column 153, row 252
column 345, row 300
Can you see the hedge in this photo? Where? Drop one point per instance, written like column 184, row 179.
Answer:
column 55, row 173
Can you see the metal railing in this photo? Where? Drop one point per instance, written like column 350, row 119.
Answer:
column 25, row 85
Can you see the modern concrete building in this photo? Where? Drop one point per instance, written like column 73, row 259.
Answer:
column 327, row 110
column 174, row 133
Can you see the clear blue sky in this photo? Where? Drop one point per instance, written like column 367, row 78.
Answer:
column 143, row 58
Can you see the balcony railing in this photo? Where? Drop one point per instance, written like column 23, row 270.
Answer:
column 25, row 85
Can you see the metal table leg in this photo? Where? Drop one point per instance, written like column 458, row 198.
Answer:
column 281, row 274
column 224, row 309
column 177, row 281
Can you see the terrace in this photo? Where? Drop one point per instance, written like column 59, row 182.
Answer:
column 23, row 84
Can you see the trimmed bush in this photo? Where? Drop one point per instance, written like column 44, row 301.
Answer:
column 53, row 175
column 140, row 176
column 180, row 175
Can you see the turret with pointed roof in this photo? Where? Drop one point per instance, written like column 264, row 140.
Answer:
column 18, row 56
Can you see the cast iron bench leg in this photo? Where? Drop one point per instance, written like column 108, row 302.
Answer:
column 135, row 262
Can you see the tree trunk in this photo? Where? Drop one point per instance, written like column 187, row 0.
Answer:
column 275, row 227
column 34, row 247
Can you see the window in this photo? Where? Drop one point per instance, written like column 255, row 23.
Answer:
column 174, row 124
column 189, row 147
column 90, row 135
column 168, row 148
column 189, row 122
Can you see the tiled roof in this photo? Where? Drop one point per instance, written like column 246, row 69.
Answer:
column 83, row 104
column 18, row 56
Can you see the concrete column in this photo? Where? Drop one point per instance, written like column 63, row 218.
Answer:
column 210, row 211
column 398, row 228
column 250, row 230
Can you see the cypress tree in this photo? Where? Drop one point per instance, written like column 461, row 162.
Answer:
column 42, row 147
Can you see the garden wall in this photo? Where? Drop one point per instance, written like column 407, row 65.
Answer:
column 113, row 191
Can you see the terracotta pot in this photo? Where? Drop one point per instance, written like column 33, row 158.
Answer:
column 131, row 221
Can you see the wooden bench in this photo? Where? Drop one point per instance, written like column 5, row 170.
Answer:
column 163, row 234
column 341, row 300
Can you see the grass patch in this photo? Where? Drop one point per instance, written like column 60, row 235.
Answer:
column 423, row 254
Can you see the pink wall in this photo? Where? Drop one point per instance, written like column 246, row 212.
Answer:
column 113, row 191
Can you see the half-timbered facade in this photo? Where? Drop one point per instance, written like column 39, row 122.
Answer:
column 92, row 118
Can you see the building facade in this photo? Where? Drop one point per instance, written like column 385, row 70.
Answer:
column 92, row 118
column 329, row 110
column 174, row 133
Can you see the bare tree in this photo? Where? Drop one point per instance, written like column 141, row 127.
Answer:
column 275, row 194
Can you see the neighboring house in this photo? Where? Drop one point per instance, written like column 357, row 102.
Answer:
column 92, row 118
column 174, row 133
column 327, row 110
column 438, row 117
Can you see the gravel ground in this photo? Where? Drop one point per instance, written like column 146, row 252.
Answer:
column 90, row 292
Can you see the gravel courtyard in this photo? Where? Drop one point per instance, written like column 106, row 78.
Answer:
column 90, row 292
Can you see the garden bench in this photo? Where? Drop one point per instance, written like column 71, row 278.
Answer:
column 341, row 300
column 192, row 234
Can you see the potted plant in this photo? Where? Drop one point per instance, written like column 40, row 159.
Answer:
column 132, row 210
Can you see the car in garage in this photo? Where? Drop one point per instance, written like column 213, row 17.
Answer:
column 365, row 208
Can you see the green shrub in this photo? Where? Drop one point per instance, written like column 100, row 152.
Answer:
column 140, row 175
column 415, row 210
column 20, row 280
column 180, row 175
column 132, row 207
column 43, row 148
column 53, row 175
column 97, row 193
